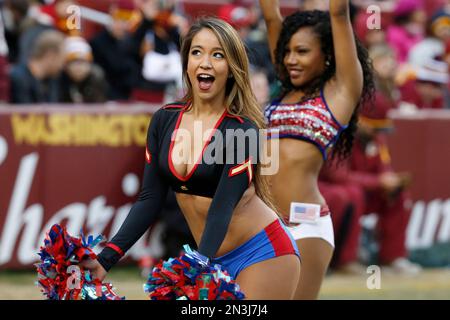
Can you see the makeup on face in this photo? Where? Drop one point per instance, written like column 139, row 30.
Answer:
column 207, row 66
column 304, row 60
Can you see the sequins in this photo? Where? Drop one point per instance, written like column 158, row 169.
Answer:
column 308, row 106
column 302, row 118
column 311, row 121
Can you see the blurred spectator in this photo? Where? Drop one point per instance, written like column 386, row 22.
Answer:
column 427, row 58
column 154, row 48
column 430, row 52
column 382, row 191
column 44, row 17
column 260, row 86
column 346, row 198
column 426, row 90
column 15, row 20
column 346, row 214
column 4, row 80
column 385, row 189
column 387, row 95
column 440, row 24
column 110, row 53
column 81, row 81
column 408, row 27
column 36, row 80
column 247, row 20
column 369, row 36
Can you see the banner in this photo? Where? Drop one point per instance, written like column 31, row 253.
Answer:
column 420, row 145
column 80, row 166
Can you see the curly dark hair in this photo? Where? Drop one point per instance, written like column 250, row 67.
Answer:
column 320, row 23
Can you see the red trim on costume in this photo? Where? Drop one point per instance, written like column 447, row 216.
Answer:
column 174, row 105
column 172, row 142
column 324, row 211
column 246, row 166
column 280, row 241
column 115, row 248
column 148, row 155
column 235, row 117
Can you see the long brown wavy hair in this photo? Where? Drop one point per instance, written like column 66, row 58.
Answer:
column 239, row 97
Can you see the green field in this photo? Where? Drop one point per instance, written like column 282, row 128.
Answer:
column 431, row 284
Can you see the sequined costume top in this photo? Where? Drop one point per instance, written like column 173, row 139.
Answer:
column 310, row 120
column 224, row 180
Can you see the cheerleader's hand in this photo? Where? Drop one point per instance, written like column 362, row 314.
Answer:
column 95, row 268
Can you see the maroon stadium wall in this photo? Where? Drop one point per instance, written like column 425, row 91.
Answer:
column 77, row 165
column 82, row 166
column 420, row 145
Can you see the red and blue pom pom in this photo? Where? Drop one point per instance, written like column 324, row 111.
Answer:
column 188, row 277
column 191, row 277
column 60, row 277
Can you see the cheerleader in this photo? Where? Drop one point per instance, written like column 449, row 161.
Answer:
column 325, row 75
column 226, row 204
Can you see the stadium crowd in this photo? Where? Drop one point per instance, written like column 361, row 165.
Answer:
column 133, row 56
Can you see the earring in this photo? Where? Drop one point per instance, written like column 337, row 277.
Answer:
column 327, row 63
column 230, row 76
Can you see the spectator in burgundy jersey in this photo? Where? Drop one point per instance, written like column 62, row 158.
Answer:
column 427, row 91
column 346, row 216
column 375, row 188
column 344, row 196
